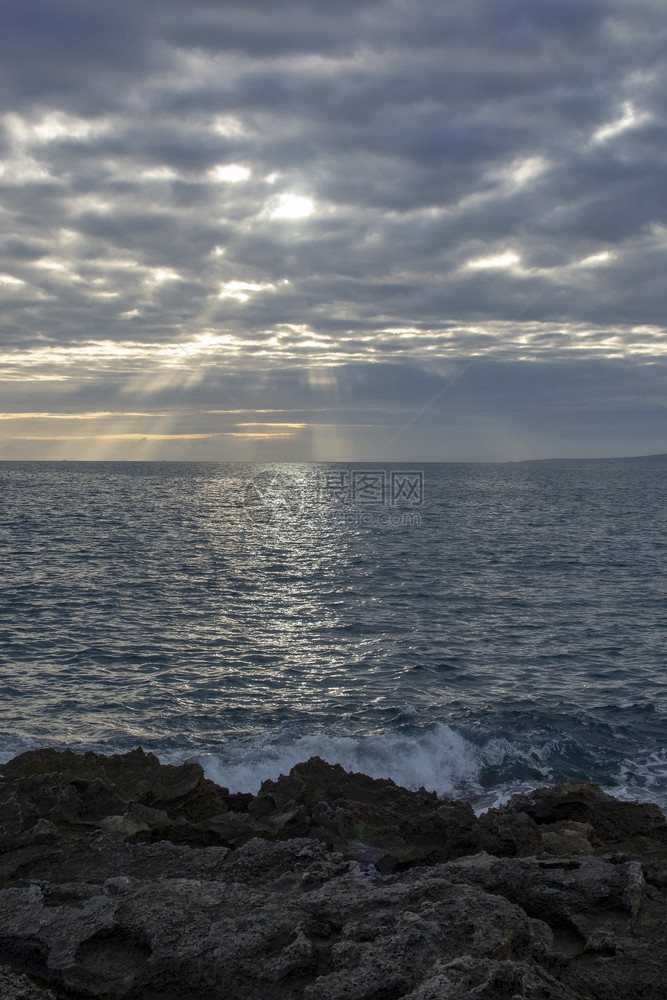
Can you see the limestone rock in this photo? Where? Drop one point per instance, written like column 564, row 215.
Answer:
column 15, row 986
column 315, row 927
column 567, row 837
column 509, row 834
column 122, row 879
column 373, row 820
column 465, row 979
column 78, row 792
column 585, row 901
column 613, row 822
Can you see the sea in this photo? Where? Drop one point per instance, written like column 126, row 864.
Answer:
column 475, row 629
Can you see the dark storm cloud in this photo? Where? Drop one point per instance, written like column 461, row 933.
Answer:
column 377, row 184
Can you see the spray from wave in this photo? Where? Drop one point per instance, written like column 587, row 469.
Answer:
column 483, row 768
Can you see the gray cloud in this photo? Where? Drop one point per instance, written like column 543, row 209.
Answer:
column 362, row 188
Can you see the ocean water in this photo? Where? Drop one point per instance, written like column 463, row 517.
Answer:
column 475, row 629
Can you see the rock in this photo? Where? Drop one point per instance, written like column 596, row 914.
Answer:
column 584, row 900
column 291, row 919
column 77, row 793
column 567, row 837
column 508, row 834
column 313, row 926
column 613, row 822
column 14, row 986
column 325, row 886
column 465, row 979
column 372, row 820
column 123, row 827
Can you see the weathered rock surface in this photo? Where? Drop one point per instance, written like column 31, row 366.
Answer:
column 123, row 879
column 15, row 986
column 372, row 820
column 130, row 795
column 576, row 804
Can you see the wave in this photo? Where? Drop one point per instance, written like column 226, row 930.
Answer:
column 487, row 772
column 439, row 760
column 485, row 769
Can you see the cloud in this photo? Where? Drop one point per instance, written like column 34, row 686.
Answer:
column 262, row 188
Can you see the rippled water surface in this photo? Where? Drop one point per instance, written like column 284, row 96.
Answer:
column 501, row 626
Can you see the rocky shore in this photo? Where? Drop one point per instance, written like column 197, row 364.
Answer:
column 125, row 879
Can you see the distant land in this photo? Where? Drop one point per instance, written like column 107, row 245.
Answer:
column 647, row 459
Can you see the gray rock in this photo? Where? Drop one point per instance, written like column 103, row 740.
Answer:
column 317, row 928
column 15, row 986
column 509, row 834
column 588, row 902
column 78, row 792
column 613, row 822
column 371, row 820
column 484, row 979
column 291, row 919
column 325, row 886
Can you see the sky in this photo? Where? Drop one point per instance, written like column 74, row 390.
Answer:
column 333, row 230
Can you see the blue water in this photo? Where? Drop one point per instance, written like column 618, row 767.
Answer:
column 476, row 629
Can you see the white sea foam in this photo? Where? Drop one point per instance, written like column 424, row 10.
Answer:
column 439, row 759
column 644, row 779
column 500, row 751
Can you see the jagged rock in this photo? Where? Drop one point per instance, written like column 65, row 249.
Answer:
column 483, row 979
column 567, row 837
column 586, row 901
column 370, row 820
column 290, row 919
column 314, row 926
column 111, row 889
column 15, row 986
column 507, row 834
column 123, row 827
column 132, row 793
column 613, row 822
column 373, row 820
